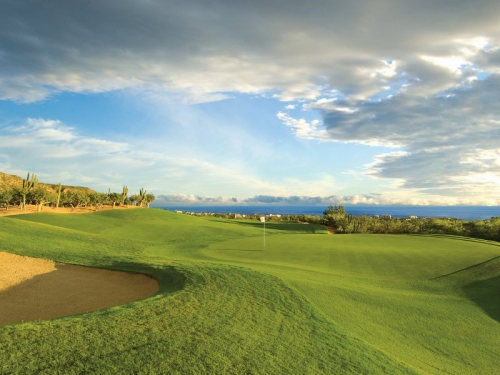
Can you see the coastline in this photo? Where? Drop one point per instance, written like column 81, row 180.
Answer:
column 457, row 212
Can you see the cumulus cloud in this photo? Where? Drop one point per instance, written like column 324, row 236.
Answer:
column 374, row 72
column 205, row 49
column 448, row 142
column 302, row 128
column 446, row 133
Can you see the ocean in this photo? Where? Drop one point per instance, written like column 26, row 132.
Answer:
column 458, row 212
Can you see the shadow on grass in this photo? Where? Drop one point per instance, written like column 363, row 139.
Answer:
column 233, row 249
column 459, row 238
column 474, row 266
column 169, row 278
column 484, row 294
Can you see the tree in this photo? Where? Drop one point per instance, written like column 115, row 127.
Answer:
column 6, row 197
column 335, row 217
column 113, row 198
column 75, row 199
column 97, row 200
column 133, row 199
column 149, row 198
column 40, row 196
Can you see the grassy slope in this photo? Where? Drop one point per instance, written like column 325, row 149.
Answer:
column 227, row 306
column 207, row 318
column 384, row 290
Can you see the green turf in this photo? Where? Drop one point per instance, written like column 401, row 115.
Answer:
column 308, row 303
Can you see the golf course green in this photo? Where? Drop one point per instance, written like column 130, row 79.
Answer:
column 302, row 302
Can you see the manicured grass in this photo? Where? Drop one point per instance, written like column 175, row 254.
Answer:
column 364, row 255
column 308, row 303
column 401, row 294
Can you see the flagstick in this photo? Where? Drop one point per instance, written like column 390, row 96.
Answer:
column 264, row 233
column 263, row 220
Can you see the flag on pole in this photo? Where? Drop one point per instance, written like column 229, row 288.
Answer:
column 263, row 220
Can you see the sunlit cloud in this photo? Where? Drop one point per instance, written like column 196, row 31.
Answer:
column 430, row 93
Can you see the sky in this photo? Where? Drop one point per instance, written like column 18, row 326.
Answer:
column 255, row 102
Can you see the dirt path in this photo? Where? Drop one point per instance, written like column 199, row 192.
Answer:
column 37, row 289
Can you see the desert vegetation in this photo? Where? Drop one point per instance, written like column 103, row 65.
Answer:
column 308, row 303
column 16, row 191
column 339, row 221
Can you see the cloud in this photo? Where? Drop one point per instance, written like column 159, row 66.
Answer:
column 207, row 50
column 447, row 138
column 302, row 128
column 190, row 199
column 448, row 141
column 56, row 152
column 271, row 200
column 372, row 70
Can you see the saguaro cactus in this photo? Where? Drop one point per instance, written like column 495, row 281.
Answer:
column 124, row 194
column 28, row 185
column 142, row 196
column 58, row 196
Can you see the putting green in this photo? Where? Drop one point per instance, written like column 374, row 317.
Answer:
column 373, row 256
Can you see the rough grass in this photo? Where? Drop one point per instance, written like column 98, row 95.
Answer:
column 310, row 303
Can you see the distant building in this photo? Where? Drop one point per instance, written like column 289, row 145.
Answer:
column 386, row 217
column 413, row 217
column 178, row 212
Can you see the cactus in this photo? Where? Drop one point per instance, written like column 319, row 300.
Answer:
column 124, row 194
column 28, row 185
column 58, row 196
column 142, row 196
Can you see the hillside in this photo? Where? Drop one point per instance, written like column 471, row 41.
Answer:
column 9, row 181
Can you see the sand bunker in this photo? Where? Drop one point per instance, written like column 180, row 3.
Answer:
column 15, row 269
column 36, row 289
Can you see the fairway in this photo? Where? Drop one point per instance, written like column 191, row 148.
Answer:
column 308, row 303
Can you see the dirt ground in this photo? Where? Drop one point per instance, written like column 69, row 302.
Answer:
column 15, row 210
column 37, row 289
